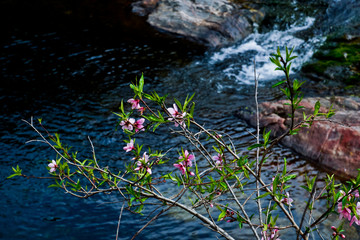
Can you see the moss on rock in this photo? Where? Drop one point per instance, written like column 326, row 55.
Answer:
column 337, row 59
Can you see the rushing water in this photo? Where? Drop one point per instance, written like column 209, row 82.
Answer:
column 74, row 82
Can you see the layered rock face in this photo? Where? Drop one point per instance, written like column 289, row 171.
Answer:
column 213, row 23
column 332, row 143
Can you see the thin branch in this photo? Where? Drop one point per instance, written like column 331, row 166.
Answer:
column 305, row 209
column 118, row 226
column 258, row 200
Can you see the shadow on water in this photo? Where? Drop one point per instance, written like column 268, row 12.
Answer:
column 70, row 64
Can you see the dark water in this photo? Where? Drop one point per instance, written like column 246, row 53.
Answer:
column 74, row 77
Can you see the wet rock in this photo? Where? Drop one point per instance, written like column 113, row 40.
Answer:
column 213, row 23
column 144, row 7
column 332, row 143
column 341, row 18
column 338, row 59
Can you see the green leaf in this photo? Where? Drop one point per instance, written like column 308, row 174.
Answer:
column 255, row 146
column 263, row 195
column 287, row 178
column 156, row 126
column 317, row 107
column 286, row 53
column 13, row 175
column 134, row 87
column 221, row 215
column 294, row 132
column 192, row 109
column 141, row 83
column 275, row 183
column 288, row 68
column 187, row 100
column 240, row 221
column 275, row 60
column 266, row 137
column 291, row 58
column 278, row 83
column 284, row 169
column 168, row 176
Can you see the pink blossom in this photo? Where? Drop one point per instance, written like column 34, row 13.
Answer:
column 356, row 193
column 128, row 124
column 354, row 218
column 138, row 125
column 135, row 103
column 176, row 115
column 287, row 200
column 129, row 146
column 53, row 166
column 131, row 124
column 143, row 163
column 344, row 213
column 270, row 236
column 182, row 168
column 188, row 158
column 218, row 159
column 274, row 234
column 336, row 232
column 141, row 110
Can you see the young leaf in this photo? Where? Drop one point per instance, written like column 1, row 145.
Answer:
column 284, row 169
column 141, row 83
column 255, row 146
column 278, row 83
column 263, row 195
column 317, row 107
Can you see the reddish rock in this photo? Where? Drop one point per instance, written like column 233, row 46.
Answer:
column 332, row 143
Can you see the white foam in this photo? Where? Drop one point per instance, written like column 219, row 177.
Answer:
column 259, row 46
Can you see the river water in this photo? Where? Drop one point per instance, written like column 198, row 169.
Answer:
column 74, row 80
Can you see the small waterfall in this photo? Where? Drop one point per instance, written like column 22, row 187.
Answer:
column 236, row 62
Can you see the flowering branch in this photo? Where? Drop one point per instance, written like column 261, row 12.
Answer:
column 214, row 179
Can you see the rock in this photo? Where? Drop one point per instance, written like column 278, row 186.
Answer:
column 332, row 143
column 342, row 18
column 144, row 7
column 213, row 23
column 338, row 59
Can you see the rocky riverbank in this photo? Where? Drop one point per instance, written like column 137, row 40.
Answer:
column 332, row 143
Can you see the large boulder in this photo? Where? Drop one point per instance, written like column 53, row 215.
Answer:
column 213, row 23
column 332, row 143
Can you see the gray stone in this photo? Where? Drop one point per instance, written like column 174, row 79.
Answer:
column 209, row 22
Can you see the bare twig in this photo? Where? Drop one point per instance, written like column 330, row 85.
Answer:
column 118, row 226
column 258, row 200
